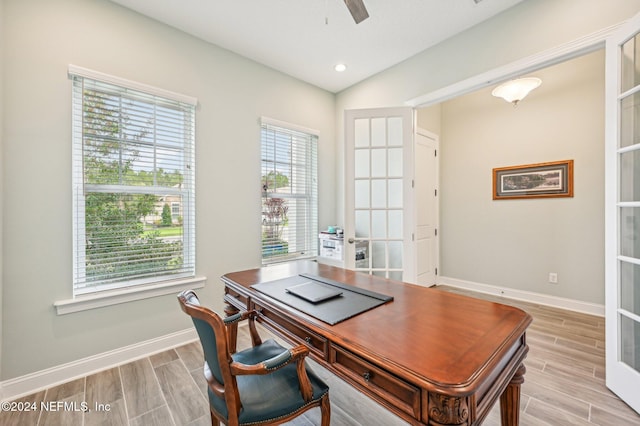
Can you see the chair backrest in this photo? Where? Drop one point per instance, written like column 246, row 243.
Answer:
column 212, row 333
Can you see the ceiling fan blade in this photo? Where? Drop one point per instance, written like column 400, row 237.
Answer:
column 357, row 9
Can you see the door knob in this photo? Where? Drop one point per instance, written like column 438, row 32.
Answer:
column 351, row 240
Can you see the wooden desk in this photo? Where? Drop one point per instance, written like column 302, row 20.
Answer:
column 430, row 356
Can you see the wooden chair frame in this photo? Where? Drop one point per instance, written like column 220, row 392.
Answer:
column 225, row 331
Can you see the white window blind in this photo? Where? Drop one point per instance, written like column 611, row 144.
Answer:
column 133, row 184
column 289, row 174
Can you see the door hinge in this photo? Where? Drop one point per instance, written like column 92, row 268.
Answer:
column 413, row 237
column 435, row 192
column 435, row 152
column 436, row 271
column 436, row 231
column 413, row 183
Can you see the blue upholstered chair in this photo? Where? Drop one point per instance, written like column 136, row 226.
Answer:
column 266, row 384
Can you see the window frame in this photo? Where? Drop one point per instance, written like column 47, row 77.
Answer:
column 186, row 190
column 309, row 195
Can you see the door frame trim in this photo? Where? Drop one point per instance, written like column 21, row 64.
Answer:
column 573, row 49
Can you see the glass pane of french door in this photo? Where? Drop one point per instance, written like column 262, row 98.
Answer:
column 629, row 205
column 623, row 159
column 378, row 208
column 377, row 144
column 622, row 212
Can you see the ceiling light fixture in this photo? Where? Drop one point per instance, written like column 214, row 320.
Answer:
column 340, row 67
column 515, row 90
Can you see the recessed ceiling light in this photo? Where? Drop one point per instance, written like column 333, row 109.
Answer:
column 340, row 67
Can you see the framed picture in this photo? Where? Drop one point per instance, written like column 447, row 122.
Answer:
column 542, row 180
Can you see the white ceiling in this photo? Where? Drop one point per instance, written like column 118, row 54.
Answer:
column 307, row 38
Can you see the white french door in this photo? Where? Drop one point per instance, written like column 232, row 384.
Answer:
column 622, row 206
column 378, row 201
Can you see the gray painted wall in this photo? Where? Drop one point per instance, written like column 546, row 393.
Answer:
column 568, row 237
column 41, row 38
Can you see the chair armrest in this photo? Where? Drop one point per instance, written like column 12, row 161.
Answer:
column 275, row 363
column 272, row 364
column 234, row 319
column 240, row 316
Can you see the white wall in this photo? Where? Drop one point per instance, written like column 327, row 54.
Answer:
column 430, row 118
column 516, row 243
column 530, row 27
column 41, row 38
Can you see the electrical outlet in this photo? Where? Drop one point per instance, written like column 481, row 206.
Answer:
column 553, row 277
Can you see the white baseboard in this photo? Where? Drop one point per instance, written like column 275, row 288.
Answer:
column 526, row 296
column 33, row 382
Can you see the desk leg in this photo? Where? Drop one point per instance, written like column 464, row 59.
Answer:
column 232, row 329
column 510, row 399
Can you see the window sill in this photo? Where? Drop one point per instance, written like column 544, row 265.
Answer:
column 114, row 297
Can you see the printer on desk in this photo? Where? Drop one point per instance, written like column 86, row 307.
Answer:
column 332, row 249
column 331, row 246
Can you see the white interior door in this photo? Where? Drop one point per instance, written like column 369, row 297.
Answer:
column 622, row 206
column 378, row 205
column 426, row 206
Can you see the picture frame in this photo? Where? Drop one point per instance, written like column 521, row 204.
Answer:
column 542, row 180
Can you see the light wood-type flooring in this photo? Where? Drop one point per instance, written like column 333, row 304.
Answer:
column 564, row 385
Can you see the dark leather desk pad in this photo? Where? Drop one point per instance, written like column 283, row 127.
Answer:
column 352, row 302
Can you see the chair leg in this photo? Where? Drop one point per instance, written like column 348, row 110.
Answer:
column 214, row 420
column 325, row 410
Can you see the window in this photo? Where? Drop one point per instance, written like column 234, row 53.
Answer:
column 133, row 183
column 289, row 191
column 175, row 209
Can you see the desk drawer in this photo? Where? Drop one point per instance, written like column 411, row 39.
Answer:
column 236, row 299
column 378, row 381
column 316, row 343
